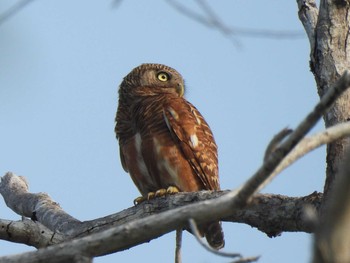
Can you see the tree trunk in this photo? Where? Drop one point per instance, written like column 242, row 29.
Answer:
column 329, row 59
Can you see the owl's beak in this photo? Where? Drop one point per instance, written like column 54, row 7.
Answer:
column 180, row 89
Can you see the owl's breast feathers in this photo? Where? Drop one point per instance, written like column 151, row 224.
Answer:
column 168, row 143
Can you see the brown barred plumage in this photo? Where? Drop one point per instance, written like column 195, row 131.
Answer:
column 164, row 140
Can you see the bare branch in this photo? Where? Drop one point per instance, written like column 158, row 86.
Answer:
column 276, row 140
column 178, row 246
column 195, row 232
column 285, row 212
column 308, row 144
column 264, row 174
column 40, row 207
column 13, row 10
column 212, row 20
column 28, row 232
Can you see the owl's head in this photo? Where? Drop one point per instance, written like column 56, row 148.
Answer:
column 152, row 79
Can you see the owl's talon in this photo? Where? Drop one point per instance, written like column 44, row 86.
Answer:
column 172, row 190
column 160, row 192
column 139, row 200
column 150, row 195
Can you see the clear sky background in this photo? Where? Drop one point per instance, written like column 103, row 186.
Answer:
column 60, row 66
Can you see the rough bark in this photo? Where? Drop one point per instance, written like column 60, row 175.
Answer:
column 102, row 240
column 269, row 213
column 329, row 59
column 28, row 232
column 328, row 32
column 329, row 39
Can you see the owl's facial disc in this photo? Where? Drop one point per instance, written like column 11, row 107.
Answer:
column 171, row 80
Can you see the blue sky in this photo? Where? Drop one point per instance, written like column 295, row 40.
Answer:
column 60, row 67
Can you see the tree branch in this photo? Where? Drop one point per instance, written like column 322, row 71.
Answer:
column 265, row 173
column 211, row 20
column 129, row 234
column 308, row 144
column 13, row 10
column 252, row 216
column 285, row 213
column 40, row 207
column 28, row 232
column 288, row 214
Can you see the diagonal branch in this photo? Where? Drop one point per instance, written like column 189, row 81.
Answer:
column 40, row 207
column 264, row 174
column 308, row 144
column 13, row 10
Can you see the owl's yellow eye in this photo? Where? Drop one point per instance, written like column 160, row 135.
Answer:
column 162, row 76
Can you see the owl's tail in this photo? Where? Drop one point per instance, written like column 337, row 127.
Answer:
column 214, row 235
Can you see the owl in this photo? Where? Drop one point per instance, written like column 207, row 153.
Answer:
column 165, row 144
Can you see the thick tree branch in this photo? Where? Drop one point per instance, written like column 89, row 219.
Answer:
column 129, row 234
column 253, row 215
column 40, row 207
column 28, row 232
column 284, row 213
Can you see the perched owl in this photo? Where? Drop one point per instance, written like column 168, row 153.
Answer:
column 165, row 143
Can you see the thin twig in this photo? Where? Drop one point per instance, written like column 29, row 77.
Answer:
column 246, row 260
column 212, row 20
column 308, row 144
column 178, row 246
column 276, row 140
column 264, row 174
column 13, row 10
column 195, row 232
column 216, row 22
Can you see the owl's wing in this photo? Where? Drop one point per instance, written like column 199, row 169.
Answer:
column 122, row 160
column 193, row 135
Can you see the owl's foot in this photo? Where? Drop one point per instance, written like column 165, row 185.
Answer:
column 161, row 192
column 169, row 191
